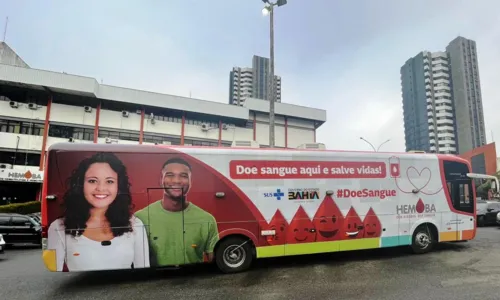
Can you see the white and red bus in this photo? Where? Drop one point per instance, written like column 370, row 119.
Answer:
column 110, row 206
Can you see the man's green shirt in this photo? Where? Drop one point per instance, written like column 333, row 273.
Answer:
column 177, row 238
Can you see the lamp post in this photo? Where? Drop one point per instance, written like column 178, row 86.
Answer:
column 269, row 10
column 371, row 145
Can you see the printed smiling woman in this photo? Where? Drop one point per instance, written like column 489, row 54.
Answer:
column 98, row 230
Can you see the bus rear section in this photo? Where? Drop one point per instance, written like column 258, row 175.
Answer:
column 461, row 197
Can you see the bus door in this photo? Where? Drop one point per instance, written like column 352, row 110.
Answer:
column 165, row 228
column 459, row 187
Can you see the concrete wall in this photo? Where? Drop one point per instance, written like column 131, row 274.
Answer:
column 490, row 157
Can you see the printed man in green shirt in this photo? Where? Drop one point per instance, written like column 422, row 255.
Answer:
column 179, row 232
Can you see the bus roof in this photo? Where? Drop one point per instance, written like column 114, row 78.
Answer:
column 136, row 148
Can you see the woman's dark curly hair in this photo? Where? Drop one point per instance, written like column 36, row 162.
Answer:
column 77, row 210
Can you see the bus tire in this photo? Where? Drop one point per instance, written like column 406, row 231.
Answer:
column 423, row 239
column 480, row 221
column 233, row 255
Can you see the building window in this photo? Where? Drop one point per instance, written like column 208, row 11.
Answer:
column 116, row 135
column 83, row 134
column 201, row 143
column 19, row 127
column 66, row 132
column 148, row 138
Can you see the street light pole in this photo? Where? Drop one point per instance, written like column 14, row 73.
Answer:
column 361, row 138
column 371, row 145
column 269, row 9
column 378, row 148
column 271, row 78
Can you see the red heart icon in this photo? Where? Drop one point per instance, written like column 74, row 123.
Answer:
column 424, row 174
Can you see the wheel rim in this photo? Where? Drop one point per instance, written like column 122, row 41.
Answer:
column 234, row 256
column 423, row 240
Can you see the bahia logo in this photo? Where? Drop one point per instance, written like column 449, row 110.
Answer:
column 418, row 208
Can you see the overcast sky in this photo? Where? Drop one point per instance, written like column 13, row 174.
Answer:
column 343, row 56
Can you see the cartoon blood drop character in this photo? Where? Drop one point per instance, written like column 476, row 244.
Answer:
column 328, row 221
column 279, row 225
column 353, row 226
column 420, row 206
column 301, row 229
column 371, row 225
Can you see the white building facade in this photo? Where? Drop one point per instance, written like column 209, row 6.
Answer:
column 439, row 102
column 252, row 82
column 39, row 108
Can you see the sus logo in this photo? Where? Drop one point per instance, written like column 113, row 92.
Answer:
column 328, row 221
column 279, row 225
column 301, row 229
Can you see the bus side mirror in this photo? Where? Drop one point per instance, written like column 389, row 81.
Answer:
column 493, row 185
column 51, row 197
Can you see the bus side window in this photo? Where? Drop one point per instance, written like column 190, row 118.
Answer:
column 464, row 194
column 459, row 186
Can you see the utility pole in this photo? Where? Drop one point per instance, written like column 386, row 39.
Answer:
column 269, row 9
column 5, row 29
column 371, row 145
column 271, row 80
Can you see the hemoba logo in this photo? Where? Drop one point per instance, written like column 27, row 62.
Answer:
column 418, row 210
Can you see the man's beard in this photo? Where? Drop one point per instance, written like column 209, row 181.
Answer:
column 179, row 198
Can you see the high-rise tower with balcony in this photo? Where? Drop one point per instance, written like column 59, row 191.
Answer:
column 466, row 88
column 442, row 100
column 252, row 82
column 427, row 103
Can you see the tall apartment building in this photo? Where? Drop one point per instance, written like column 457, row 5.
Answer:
column 427, row 103
column 467, row 98
column 252, row 82
column 441, row 100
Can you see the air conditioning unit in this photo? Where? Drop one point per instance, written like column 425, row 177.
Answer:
column 312, row 146
column 125, row 114
column 6, row 166
column 13, row 104
column 32, row 106
column 87, row 109
column 245, row 144
column 205, row 127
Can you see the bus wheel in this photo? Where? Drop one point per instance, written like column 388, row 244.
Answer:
column 423, row 240
column 480, row 221
column 234, row 255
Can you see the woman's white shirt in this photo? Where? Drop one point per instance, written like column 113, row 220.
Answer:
column 83, row 254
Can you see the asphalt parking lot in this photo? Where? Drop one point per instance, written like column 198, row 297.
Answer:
column 454, row 271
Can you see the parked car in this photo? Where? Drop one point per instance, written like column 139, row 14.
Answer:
column 2, row 244
column 20, row 229
column 487, row 212
column 36, row 217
